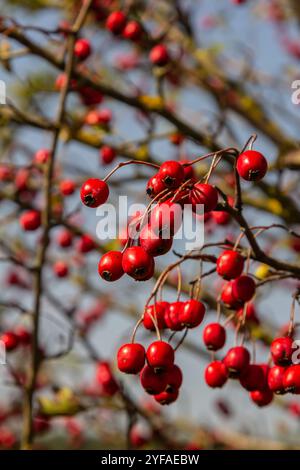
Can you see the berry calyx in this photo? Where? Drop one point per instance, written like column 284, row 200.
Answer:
column 237, row 360
column 216, row 374
column 110, row 266
column 131, row 358
column 137, row 263
column 282, row 350
column 230, row 264
column 252, row 165
column 160, row 355
column 94, row 192
column 192, row 313
column 214, row 336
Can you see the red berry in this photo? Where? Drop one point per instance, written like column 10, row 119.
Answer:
column 173, row 318
column 155, row 186
column 85, row 244
column 173, row 378
column 291, row 379
column 94, row 192
column 221, row 217
column 262, row 397
column 152, row 243
column 60, row 269
column 137, row 263
column 166, row 219
column 24, row 336
column 275, row 379
column 214, row 336
column 230, row 264
column 216, row 374
column 90, row 96
column 204, row 194
column 110, row 266
column 67, row 187
column 108, row 154
column 137, row 437
column 30, row 220
column 243, row 288
column 228, row 297
column 166, row 398
column 82, row 49
column 6, row 173
column 106, row 379
column 250, row 313
column 252, row 165
column 159, row 55
column 237, row 360
column 282, row 350
column 155, row 311
column 10, row 340
column 131, row 358
column 65, row 238
column 153, row 381
column 41, row 156
column 171, row 173
column 97, row 117
column 192, row 313
column 116, row 22
column 252, row 378
column 160, row 355
column 133, row 30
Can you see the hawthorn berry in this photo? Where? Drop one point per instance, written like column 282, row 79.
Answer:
column 64, row 238
column 262, row 397
column 82, row 49
column 152, row 243
column 214, row 336
column 137, row 263
column 94, row 192
column 23, row 335
column 228, row 297
column 156, row 311
column 137, row 437
column 205, row 194
column 155, row 186
column 166, row 219
column 110, row 266
column 133, row 30
column 282, row 350
column 192, row 313
column 173, row 316
column 10, row 340
column 243, row 288
column 60, row 269
column 221, row 217
column 131, row 358
column 107, row 154
column 116, row 22
column 166, row 398
column 291, row 379
column 251, row 165
column 275, row 380
column 159, row 55
column 153, row 381
column 89, row 96
column 171, row 173
column 41, row 156
column 106, row 379
column 85, row 244
column 173, row 378
column 98, row 117
column 6, row 173
column 160, row 355
column 252, row 378
column 30, row 220
column 251, row 315
column 230, row 264
column 237, row 360
column 67, row 187
column 189, row 172
column 216, row 374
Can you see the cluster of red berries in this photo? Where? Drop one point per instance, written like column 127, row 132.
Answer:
column 12, row 339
